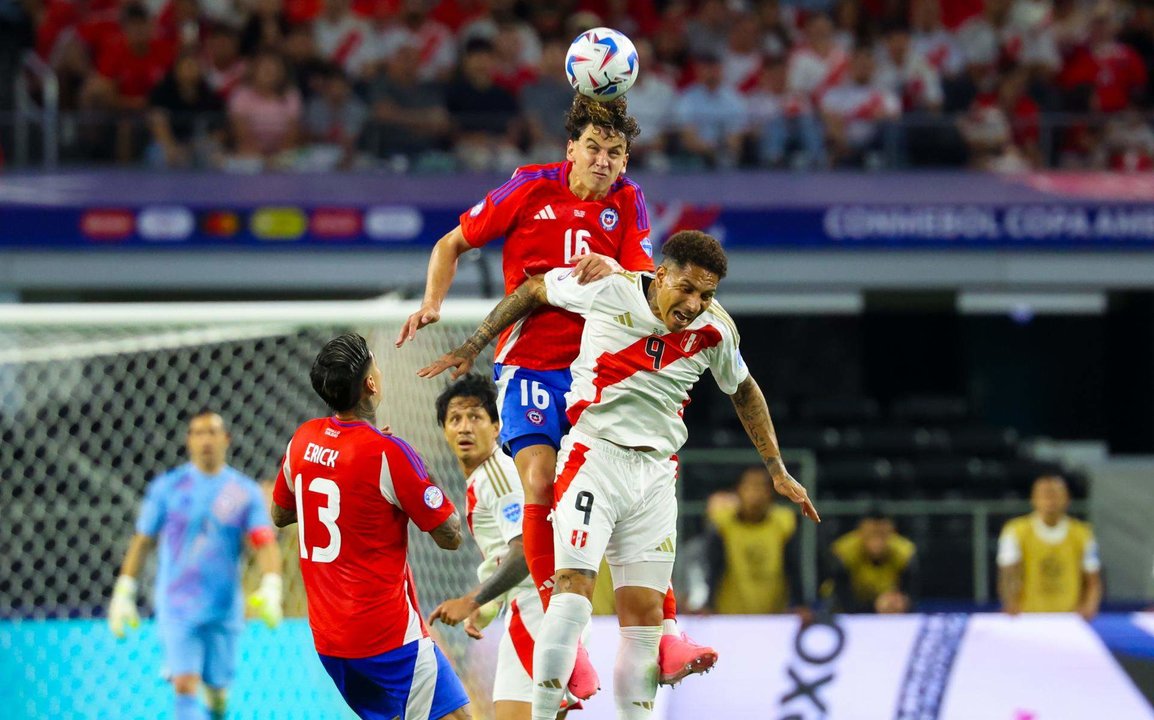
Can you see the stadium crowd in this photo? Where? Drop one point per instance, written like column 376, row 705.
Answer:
column 478, row 84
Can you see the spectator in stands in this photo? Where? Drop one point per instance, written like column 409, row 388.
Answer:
column 848, row 24
column 1110, row 74
column 334, row 121
column 905, row 73
column 857, row 112
column 1048, row 561
column 1013, row 37
column 781, row 121
column 708, row 28
column 751, row 562
column 544, row 102
column 931, row 41
column 1127, row 144
column 134, row 60
column 344, row 39
column 305, row 65
column 742, row 56
column 516, row 42
column 265, row 115
column 184, row 117
column 776, row 32
column 873, row 569
column 484, row 115
column 711, row 118
column 651, row 102
column 410, row 116
column 265, row 29
column 224, row 67
column 819, row 63
column 416, row 28
column 513, row 72
column 129, row 64
column 181, row 24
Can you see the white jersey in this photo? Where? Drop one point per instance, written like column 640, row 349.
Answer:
column 495, row 503
column 632, row 378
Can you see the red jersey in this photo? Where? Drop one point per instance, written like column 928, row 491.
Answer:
column 545, row 226
column 355, row 490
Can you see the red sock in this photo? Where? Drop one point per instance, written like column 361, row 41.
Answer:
column 537, row 534
column 670, row 607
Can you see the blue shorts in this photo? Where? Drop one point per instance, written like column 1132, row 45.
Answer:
column 207, row 650
column 531, row 404
column 413, row 682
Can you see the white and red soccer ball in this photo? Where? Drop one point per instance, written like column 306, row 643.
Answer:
column 602, row 64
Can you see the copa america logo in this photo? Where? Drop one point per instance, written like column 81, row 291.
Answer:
column 476, row 210
column 434, row 498
column 608, row 218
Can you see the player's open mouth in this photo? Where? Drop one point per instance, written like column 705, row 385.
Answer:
column 465, row 444
column 681, row 318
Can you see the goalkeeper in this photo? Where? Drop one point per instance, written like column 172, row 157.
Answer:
column 201, row 512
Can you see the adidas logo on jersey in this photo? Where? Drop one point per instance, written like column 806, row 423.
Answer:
column 550, row 683
column 665, row 546
column 625, row 319
column 545, row 213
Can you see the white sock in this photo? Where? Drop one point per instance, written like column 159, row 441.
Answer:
column 555, row 651
column 669, row 627
column 635, row 674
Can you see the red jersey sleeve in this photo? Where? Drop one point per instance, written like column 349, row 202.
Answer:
column 405, row 483
column 636, row 251
column 496, row 214
column 281, row 494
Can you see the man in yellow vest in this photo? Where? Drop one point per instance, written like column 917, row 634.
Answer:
column 874, row 568
column 746, row 549
column 1047, row 560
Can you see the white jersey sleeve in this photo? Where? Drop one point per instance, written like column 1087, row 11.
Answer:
column 565, row 292
column 725, row 362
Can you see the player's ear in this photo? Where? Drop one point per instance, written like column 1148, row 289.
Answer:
column 570, row 148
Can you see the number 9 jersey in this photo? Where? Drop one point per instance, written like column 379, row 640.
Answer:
column 546, row 226
column 354, row 490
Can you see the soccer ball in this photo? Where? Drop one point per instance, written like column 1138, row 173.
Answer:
column 602, row 64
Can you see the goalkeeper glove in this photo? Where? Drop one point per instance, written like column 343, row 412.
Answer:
column 122, row 608
column 266, row 601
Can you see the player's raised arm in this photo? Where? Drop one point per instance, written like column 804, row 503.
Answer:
column 753, row 411
column 527, row 298
column 442, row 270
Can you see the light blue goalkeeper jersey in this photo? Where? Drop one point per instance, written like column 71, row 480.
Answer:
column 201, row 522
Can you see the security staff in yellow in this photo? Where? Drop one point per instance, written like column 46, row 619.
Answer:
column 749, row 567
column 1047, row 560
column 873, row 568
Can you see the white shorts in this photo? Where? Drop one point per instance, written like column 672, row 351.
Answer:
column 523, row 619
column 613, row 502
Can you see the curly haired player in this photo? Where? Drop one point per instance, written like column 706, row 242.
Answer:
column 583, row 214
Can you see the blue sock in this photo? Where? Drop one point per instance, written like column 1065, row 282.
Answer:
column 189, row 707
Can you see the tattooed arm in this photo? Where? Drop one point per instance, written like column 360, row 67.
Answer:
column 754, row 414
column 524, row 300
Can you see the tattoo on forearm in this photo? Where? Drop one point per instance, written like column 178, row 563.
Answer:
column 753, row 412
column 448, row 534
column 511, row 309
column 512, row 570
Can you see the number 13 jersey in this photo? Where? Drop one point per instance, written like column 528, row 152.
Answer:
column 631, row 381
column 354, row 490
column 546, row 226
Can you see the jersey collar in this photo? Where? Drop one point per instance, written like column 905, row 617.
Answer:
column 1052, row 535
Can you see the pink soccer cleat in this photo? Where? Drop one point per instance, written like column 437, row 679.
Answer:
column 583, row 683
column 679, row 656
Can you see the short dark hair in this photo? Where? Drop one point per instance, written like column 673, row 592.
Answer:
column 697, row 248
column 133, row 12
column 612, row 116
column 477, row 44
column 339, row 370
column 876, row 513
column 470, row 386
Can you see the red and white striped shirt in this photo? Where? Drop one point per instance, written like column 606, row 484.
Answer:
column 632, row 378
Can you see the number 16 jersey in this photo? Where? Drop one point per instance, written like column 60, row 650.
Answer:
column 546, row 226
column 354, row 490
